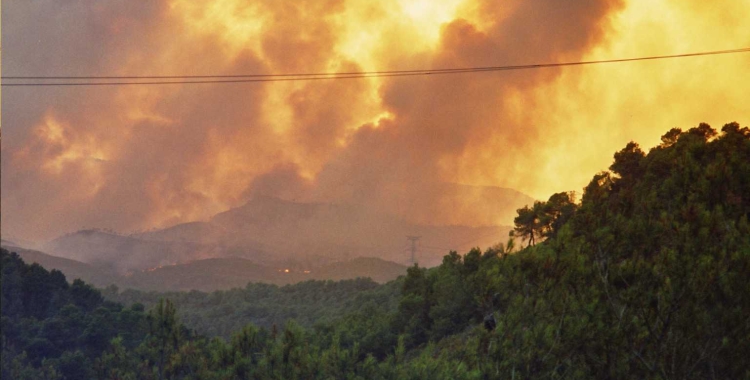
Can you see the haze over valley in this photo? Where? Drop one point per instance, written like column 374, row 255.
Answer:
column 271, row 240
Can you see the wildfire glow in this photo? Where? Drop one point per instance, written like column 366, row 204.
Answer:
column 137, row 156
column 64, row 151
column 238, row 23
column 429, row 16
column 152, row 269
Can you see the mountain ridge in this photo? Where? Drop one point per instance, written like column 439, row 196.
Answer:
column 271, row 231
column 212, row 274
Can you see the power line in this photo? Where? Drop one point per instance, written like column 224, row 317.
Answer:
column 286, row 79
column 389, row 72
column 255, row 78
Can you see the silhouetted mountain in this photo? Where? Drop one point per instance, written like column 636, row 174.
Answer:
column 271, row 232
column 194, row 232
column 297, row 230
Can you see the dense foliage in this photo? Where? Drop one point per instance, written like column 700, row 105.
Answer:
column 51, row 328
column 646, row 278
column 544, row 219
column 309, row 303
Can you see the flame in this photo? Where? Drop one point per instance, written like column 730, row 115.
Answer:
column 152, row 269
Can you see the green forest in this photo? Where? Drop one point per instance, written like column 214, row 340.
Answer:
column 645, row 276
column 309, row 303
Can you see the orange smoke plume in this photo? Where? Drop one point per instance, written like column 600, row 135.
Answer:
column 135, row 157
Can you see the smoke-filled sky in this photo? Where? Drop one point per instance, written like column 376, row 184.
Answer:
column 134, row 157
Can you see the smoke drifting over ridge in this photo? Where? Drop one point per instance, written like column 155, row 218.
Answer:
column 139, row 156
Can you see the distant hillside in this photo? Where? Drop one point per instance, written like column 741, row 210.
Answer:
column 215, row 273
column 128, row 253
column 379, row 270
column 339, row 231
column 72, row 269
column 273, row 232
column 205, row 275
column 227, row 273
column 194, row 232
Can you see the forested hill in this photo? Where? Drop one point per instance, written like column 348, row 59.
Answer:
column 72, row 269
column 310, row 303
column 646, row 277
column 55, row 330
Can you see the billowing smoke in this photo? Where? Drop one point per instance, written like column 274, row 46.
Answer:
column 133, row 157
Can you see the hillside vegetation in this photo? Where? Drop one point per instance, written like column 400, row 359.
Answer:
column 228, row 273
column 310, row 303
column 215, row 274
column 72, row 269
column 646, row 277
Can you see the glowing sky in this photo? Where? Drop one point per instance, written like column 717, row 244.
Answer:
column 135, row 157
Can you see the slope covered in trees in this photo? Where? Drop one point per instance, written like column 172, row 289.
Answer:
column 53, row 329
column 215, row 274
column 228, row 273
column 645, row 278
column 310, row 303
column 72, row 269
